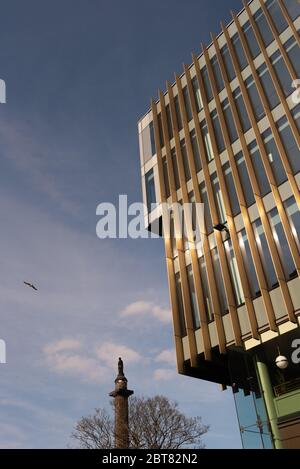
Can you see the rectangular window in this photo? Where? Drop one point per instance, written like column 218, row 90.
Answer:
column 205, row 289
column 166, row 177
column 161, row 135
column 187, row 104
column 265, row 255
column 245, row 180
column 233, row 136
column 234, row 273
column 293, row 52
column 207, row 85
column 217, row 131
column 150, row 190
column 178, row 113
column 234, row 201
column 185, row 159
column 254, row 98
column 193, row 298
column 180, row 305
column 196, row 152
column 228, row 63
column 251, row 39
column 248, row 263
column 238, row 48
column 274, row 157
column 289, row 144
column 169, row 122
column 259, row 169
column 218, row 198
column 282, row 73
column 207, row 214
column 241, row 109
column 268, row 86
column 294, row 218
column 197, row 94
column 148, row 141
column 175, row 169
column 217, row 73
column 276, row 15
column 207, row 142
column 219, row 281
column 282, row 245
column 263, row 27
column 293, row 8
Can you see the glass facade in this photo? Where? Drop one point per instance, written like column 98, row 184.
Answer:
column 217, row 74
column 207, row 85
column 276, row 15
column 244, row 178
column 254, row 98
column 207, row 142
column 229, row 121
column 207, row 213
column 197, row 94
column 238, row 49
column 259, row 169
column 234, row 273
column 263, row 27
column 193, row 298
column 205, row 289
column 196, row 152
column 265, row 255
column 233, row 198
column 150, row 190
column 268, row 86
column 241, row 109
column 228, row 63
column 249, row 264
column 217, row 131
column 180, row 305
column 219, row 281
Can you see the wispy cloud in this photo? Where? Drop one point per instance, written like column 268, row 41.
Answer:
column 164, row 374
column 108, row 353
column 139, row 308
column 63, row 357
column 167, row 356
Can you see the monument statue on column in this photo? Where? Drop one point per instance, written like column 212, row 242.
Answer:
column 121, row 395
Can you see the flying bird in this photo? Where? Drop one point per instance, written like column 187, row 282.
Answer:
column 30, row 285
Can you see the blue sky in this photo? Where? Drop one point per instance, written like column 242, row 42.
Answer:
column 79, row 74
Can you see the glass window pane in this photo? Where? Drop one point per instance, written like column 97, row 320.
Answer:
column 234, row 202
column 207, row 85
column 217, row 131
column 248, row 263
column 251, row 39
column 254, row 98
column 150, row 190
column 194, row 304
column 169, row 122
column 263, row 27
column 245, row 180
column 238, row 48
column 207, row 215
column 205, row 289
column 282, row 73
column 241, row 109
column 228, row 63
column 259, row 169
column 207, row 142
column 293, row 213
column 196, row 152
column 187, row 104
column 166, row 177
column 274, row 157
column 265, row 255
column 175, row 168
column 197, row 94
column 229, row 121
column 219, row 281
column 268, row 86
column 185, row 160
column 282, row 245
column 293, row 52
column 217, row 74
column 276, row 15
column 289, row 143
column 178, row 113
column 148, row 141
column 180, row 305
column 218, row 198
column 234, row 273
column 161, row 135
column 293, row 8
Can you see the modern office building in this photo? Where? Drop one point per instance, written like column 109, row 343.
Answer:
column 226, row 134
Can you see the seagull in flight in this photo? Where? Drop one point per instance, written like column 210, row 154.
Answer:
column 30, row 285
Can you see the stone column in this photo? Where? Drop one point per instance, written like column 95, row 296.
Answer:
column 121, row 395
